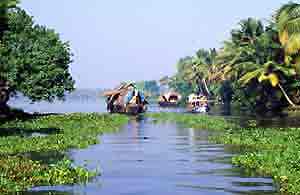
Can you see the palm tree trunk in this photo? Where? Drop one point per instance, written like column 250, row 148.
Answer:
column 205, row 86
column 286, row 96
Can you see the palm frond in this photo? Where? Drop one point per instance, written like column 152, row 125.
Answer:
column 288, row 23
column 292, row 46
column 251, row 75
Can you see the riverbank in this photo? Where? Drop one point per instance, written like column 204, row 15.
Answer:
column 269, row 151
column 53, row 133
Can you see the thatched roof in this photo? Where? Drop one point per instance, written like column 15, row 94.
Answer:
column 119, row 90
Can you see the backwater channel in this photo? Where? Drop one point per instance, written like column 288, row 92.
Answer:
column 147, row 157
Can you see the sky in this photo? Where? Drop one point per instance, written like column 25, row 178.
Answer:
column 116, row 40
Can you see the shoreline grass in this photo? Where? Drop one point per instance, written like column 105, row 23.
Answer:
column 69, row 131
column 273, row 152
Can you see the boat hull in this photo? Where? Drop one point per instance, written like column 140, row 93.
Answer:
column 197, row 109
column 130, row 109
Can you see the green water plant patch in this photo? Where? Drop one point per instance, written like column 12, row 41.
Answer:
column 275, row 152
column 195, row 121
column 19, row 172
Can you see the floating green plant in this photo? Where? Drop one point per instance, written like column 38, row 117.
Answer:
column 19, row 172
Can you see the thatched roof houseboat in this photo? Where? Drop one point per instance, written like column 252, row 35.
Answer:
column 126, row 99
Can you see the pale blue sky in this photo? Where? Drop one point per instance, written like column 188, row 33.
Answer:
column 134, row 40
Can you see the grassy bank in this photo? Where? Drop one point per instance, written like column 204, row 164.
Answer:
column 273, row 151
column 47, row 134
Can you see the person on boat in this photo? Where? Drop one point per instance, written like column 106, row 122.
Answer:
column 198, row 103
column 203, row 100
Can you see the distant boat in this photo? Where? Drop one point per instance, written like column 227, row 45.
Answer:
column 169, row 99
column 126, row 99
column 197, row 104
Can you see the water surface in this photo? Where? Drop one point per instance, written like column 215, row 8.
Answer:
column 88, row 104
column 154, row 158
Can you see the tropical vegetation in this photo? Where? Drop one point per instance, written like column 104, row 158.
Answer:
column 34, row 61
column 194, row 73
column 150, row 88
column 261, row 61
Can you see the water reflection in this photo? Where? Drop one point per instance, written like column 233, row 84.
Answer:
column 68, row 106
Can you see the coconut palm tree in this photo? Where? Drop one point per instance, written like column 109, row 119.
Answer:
column 248, row 31
column 270, row 72
column 249, row 55
column 240, row 53
column 203, row 66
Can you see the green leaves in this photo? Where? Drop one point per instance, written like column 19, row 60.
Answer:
column 6, row 4
column 244, row 80
column 192, row 71
column 253, row 51
column 17, row 173
column 38, row 61
column 288, row 22
column 249, row 30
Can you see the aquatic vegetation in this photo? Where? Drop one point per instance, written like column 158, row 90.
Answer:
column 275, row 152
column 195, row 121
column 19, row 172
column 269, row 151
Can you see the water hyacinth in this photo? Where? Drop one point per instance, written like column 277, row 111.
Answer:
column 19, row 172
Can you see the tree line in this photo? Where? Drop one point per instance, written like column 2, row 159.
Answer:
column 261, row 61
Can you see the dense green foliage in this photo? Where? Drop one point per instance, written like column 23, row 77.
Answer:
column 194, row 73
column 254, row 61
column 268, row 151
column 195, row 121
column 58, row 133
column 5, row 5
column 34, row 59
column 262, row 62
